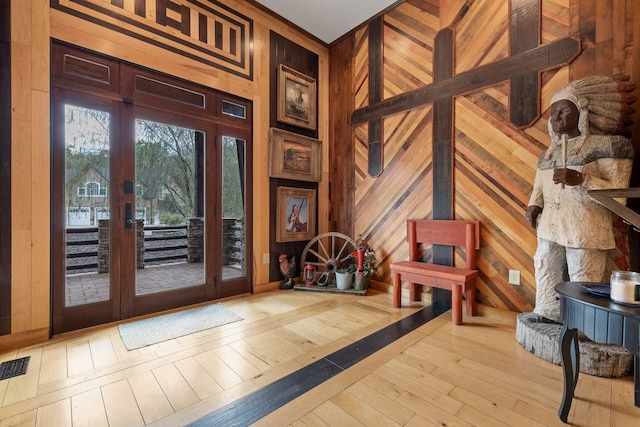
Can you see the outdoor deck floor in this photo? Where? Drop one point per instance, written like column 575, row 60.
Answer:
column 86, row 288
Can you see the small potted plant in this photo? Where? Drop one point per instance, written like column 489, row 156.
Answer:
column 344, row 277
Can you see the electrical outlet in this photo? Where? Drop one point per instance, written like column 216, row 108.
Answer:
column 265, row 258
column 514, row 277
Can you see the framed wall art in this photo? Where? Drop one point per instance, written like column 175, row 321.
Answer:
column 293, row 156
column 296, row 98
column 295, row 214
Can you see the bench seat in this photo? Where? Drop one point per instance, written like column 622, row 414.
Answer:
column 455, row 279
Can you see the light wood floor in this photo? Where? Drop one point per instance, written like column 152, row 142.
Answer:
column 438, row 375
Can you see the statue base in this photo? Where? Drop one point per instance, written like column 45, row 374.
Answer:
column 601, row 360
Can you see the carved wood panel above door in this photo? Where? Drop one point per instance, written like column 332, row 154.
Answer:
column 207, row 32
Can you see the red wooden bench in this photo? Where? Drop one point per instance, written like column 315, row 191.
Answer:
column 452, row 233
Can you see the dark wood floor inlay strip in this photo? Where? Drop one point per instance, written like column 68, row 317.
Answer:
column 256, row 405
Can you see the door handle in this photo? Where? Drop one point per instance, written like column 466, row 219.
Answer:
column 128, row 219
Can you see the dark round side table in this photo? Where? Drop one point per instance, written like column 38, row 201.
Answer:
column 601, row 320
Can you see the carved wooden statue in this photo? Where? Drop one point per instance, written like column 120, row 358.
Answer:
column 589, row 149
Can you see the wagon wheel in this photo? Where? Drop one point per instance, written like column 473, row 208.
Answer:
column 327, row 252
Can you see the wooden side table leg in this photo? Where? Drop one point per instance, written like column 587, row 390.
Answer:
column 570, row 356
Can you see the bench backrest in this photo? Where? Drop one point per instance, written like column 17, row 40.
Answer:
column 461, row 233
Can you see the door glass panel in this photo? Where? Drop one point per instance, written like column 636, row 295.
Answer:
column 233, row 208
column 87, row 204
column 169, row 212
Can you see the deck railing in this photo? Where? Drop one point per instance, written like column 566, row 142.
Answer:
column 162, row 244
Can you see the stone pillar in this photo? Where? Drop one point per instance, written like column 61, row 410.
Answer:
column 233, row 242
column 195, row 240
column 139, row 244
column 226, row 232
column 103, row 246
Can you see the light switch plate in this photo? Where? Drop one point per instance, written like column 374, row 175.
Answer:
column 514, row 277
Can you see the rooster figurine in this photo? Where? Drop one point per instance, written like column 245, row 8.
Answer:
column 288, row 270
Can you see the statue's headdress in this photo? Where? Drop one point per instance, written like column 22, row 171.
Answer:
column 604, row 104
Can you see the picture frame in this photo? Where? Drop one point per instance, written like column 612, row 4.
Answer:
column 293, row 156
column 295, row 214
column 296, row 98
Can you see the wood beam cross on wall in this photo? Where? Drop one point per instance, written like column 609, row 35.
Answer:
column 527, row 60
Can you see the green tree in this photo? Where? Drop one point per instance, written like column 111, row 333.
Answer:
column 165, row 166
column 233, row 151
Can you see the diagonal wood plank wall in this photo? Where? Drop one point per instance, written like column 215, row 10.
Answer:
column 494, row 163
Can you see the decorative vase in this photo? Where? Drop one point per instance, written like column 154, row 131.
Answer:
column 343, row 280
column 360, row 282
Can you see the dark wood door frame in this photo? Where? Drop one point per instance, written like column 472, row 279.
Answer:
column 68, row 318
column 195, row 107
column 5, row 167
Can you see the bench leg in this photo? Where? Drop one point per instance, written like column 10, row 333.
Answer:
column 471, row 302
column 397, row 290
column 413, row 295
column 456, row 304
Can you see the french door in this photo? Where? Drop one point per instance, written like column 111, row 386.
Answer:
column 149, row 208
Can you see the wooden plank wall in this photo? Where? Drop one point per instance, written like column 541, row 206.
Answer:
column 30, row 237
column 292, row 55
column 494, row 163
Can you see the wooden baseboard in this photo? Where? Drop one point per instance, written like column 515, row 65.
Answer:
column 266, row 287
column 381, row 286
column 24, row 339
